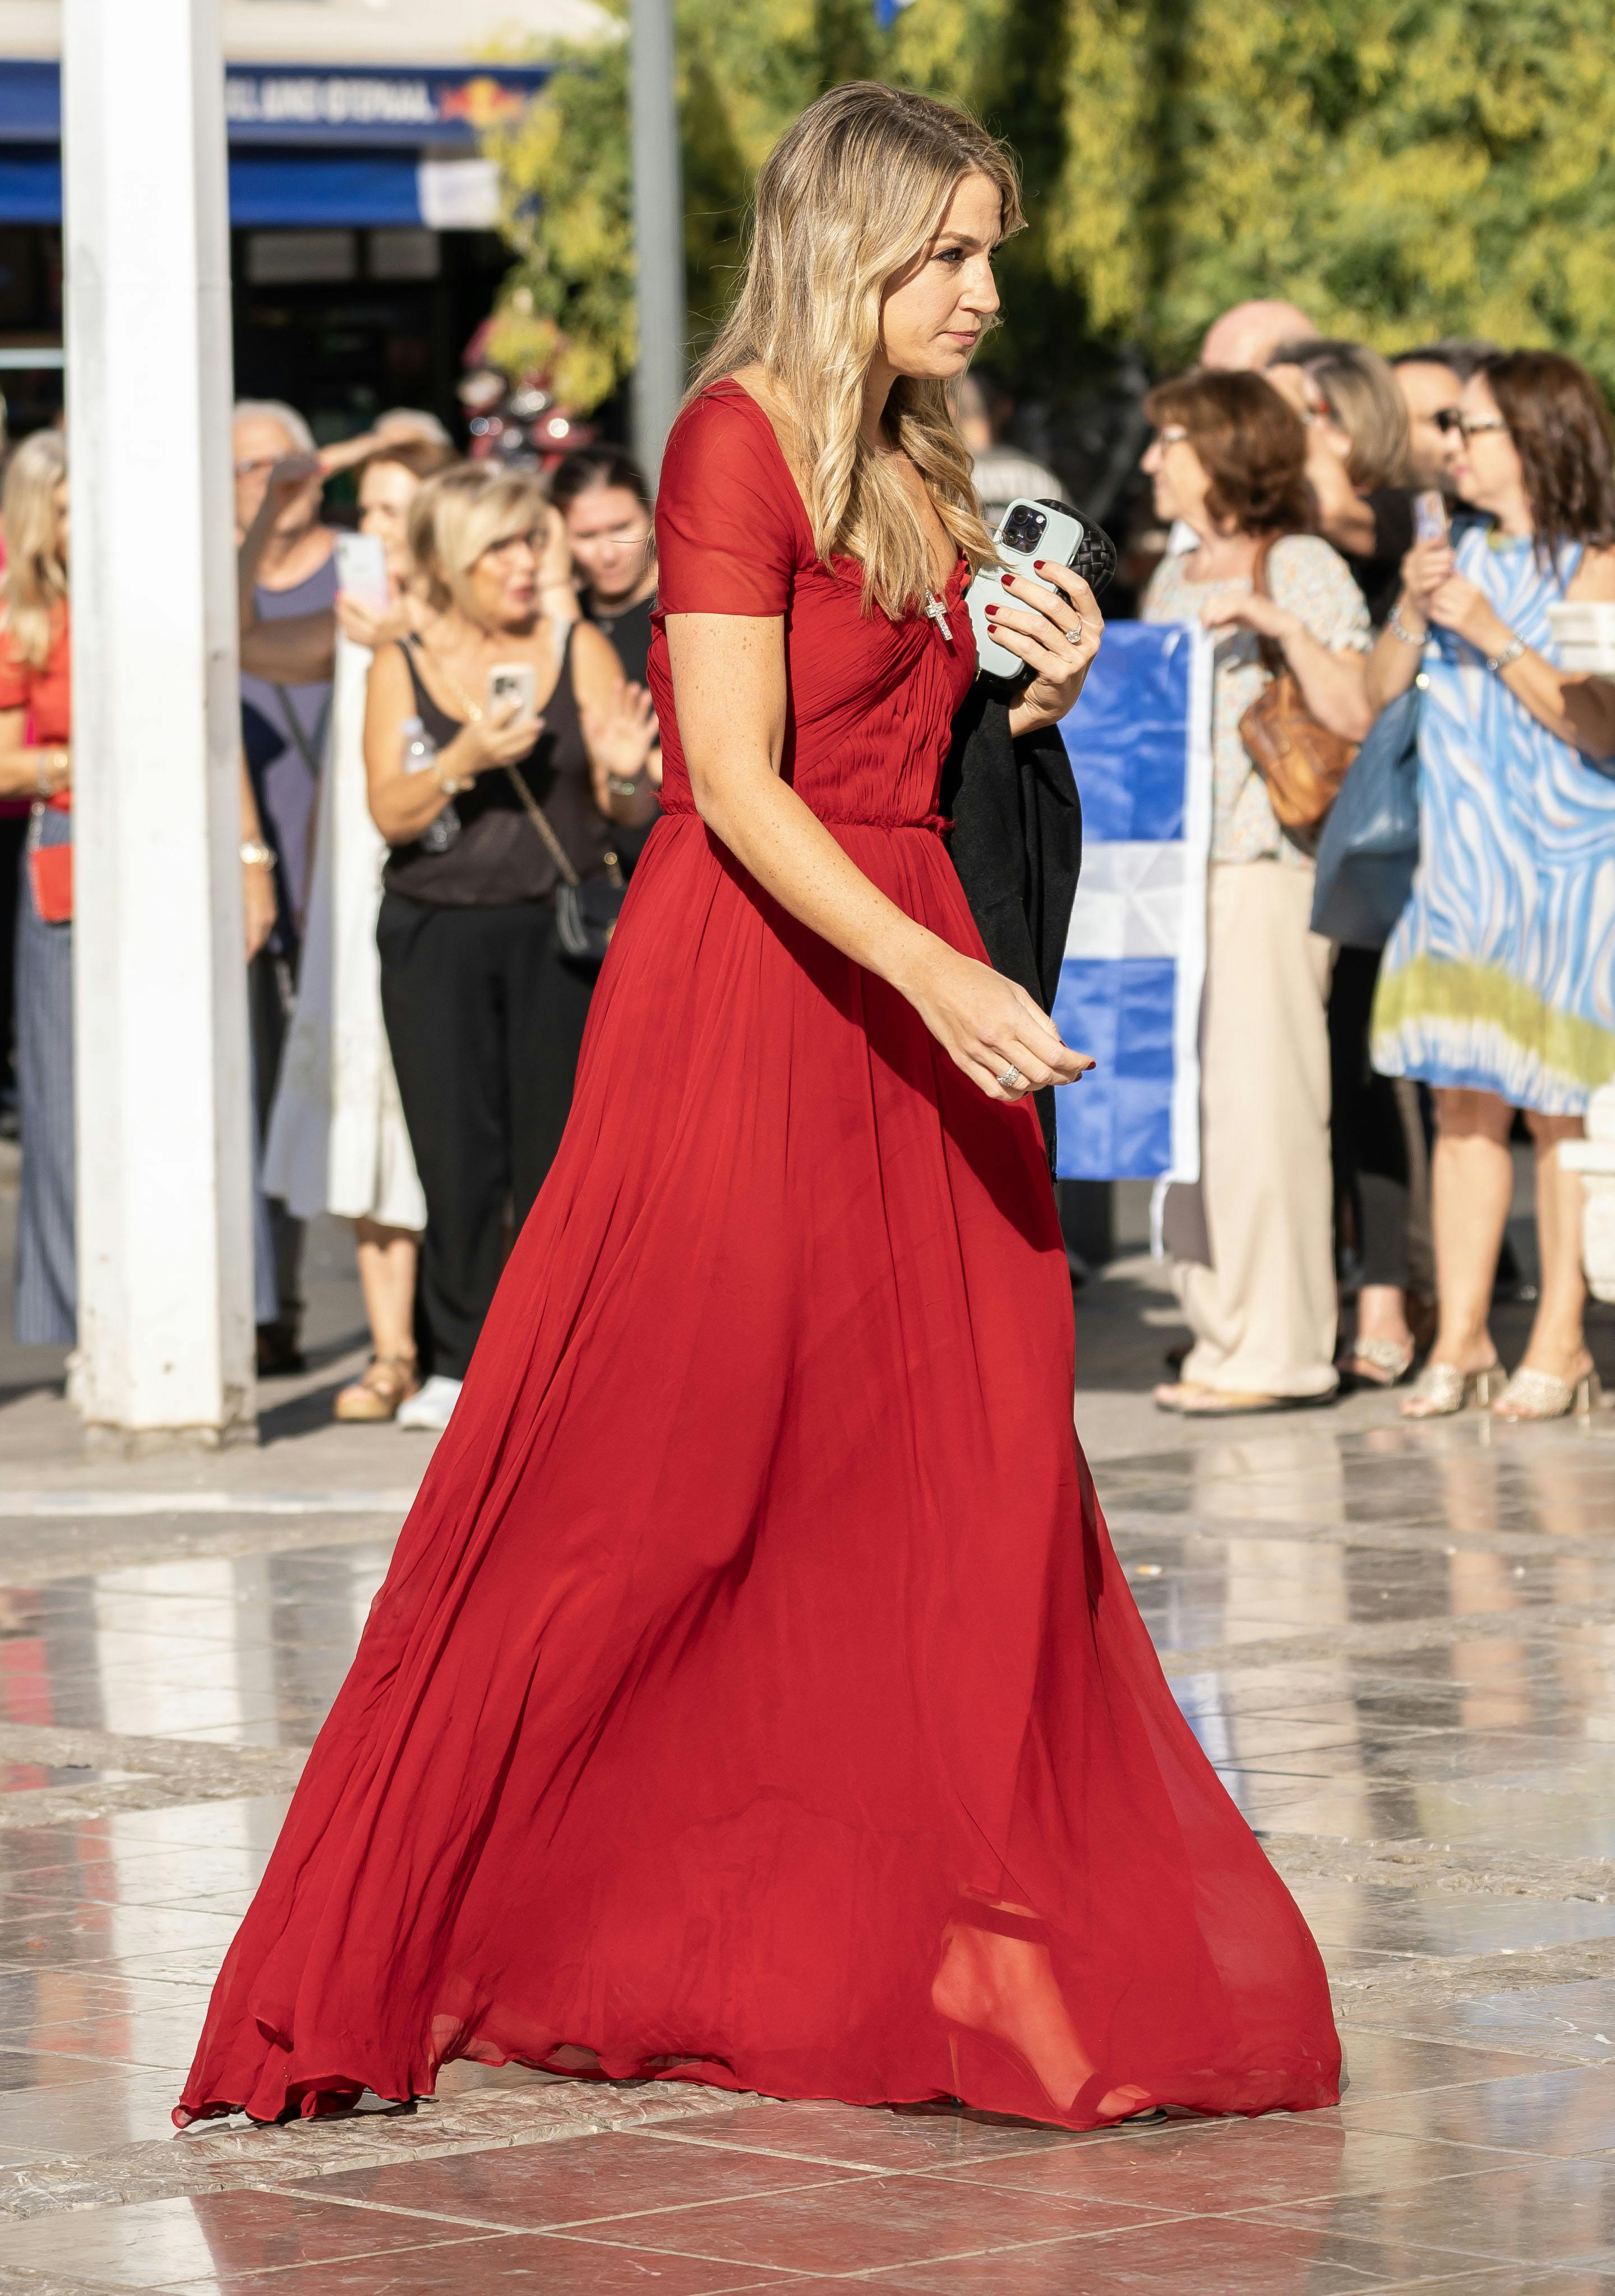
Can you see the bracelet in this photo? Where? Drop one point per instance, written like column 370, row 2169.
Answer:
column 255, row 856
column 1512, row 651
column 1398, row 628
column 449, row 788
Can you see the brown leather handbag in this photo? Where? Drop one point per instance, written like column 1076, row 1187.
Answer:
column 1302, row 763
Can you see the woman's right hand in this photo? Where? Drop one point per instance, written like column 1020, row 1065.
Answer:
column 503, row 737
column 360, row 621
column 988, row 1024
column 1425, row 568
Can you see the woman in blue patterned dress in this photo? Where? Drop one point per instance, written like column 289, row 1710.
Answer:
column 1498, row 985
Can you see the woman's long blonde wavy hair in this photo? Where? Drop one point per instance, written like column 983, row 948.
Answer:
column 36, row 571
column 848, row 198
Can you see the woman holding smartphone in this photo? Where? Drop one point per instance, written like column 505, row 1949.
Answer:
column 755, row 1698
column 336, row 1139
column 484, row 1010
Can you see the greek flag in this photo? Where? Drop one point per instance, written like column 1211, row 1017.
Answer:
column 1140, row 745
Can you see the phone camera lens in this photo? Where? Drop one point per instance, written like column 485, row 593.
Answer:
column 1024, row 528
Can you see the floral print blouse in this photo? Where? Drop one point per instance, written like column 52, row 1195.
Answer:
column 1311, row 579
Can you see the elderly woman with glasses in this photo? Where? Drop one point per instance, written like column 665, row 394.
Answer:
column 1497, row 988
column 1255, row 1273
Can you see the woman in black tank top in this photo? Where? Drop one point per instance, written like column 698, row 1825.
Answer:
column 484, row 1013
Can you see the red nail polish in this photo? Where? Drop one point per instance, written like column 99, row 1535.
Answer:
column 1037, row 565
column 989, row 612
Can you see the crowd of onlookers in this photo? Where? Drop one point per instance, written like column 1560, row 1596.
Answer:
column 448, row 758
column 1356, row 531
column 449, row 768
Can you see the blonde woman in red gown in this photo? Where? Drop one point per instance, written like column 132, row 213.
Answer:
column 754, row 1698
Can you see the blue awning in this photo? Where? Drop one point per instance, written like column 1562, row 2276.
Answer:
column 309, row 148
column 289, row 191
column 30, row 188
column 285, row 190
column 366, row 106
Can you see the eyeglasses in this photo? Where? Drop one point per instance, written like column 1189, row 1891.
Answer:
column 1173, row 435
column 1448, row 419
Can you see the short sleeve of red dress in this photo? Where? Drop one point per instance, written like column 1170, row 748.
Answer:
column 726, row 530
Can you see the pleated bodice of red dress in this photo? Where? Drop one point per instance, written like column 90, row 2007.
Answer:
column 754, row 1697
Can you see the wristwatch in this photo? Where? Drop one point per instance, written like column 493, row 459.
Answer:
column 255, row 856
column 1512, row 651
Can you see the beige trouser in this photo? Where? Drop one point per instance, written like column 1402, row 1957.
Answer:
column 1263, row 1313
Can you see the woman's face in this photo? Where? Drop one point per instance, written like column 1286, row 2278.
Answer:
column 934, row 313
column 1178, row 477
column 502, row 588
column 386, row 491
column 1485, row 469
column 1324, row 433
column 610, row 536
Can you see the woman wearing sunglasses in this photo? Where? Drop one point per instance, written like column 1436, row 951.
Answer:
column 1497, row 986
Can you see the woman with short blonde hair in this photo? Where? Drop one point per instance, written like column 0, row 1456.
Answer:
column 755, row 1698
column 469, row 783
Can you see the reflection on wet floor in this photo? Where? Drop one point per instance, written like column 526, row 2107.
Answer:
column 1397, row 1647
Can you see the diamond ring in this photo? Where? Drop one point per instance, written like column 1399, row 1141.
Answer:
column 1010, row 1077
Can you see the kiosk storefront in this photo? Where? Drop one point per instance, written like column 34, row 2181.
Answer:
column 363, row 223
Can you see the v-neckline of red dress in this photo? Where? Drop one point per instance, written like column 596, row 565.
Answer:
column 947, row 591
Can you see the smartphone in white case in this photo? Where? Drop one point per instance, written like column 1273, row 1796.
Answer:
column 513, row 681
column 1027, row 531
column 1429, row 516
column 361, row 570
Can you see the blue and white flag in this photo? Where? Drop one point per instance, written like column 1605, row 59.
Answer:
column 1140, row 745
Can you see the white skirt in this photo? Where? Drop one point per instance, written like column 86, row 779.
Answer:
column 337, row 1140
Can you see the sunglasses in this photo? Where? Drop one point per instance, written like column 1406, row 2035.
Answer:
column 1449, row 419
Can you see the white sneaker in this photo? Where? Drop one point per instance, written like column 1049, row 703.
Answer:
column 428, row 1407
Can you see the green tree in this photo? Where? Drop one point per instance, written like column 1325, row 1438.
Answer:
column 1403, row 169
column 1400, row 167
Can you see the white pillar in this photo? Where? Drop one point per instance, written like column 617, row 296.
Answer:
column 658, row 228
column 165, row 1227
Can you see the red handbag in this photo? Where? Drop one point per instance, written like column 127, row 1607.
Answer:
column 49, row 869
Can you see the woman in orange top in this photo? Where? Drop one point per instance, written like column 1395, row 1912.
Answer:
column 36, row 762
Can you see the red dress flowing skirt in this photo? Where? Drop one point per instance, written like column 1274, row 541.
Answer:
column 756, row 1631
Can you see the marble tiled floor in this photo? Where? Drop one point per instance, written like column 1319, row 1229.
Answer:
column 1397, row 1645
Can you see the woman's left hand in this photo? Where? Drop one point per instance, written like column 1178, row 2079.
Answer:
column 1247, row 610
column 1057, row 631
column 619, row 740
column 1462, row 607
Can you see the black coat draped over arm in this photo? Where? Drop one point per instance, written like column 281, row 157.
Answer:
column 1016, row 843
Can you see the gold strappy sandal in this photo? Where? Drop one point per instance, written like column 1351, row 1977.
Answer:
column 1441, row 1390
column 1534, row 1394
column 385, row 1383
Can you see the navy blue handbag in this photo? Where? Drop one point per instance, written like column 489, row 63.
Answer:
column 1369, row 848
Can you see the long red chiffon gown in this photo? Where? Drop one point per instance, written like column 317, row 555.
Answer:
column 754, row 1697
